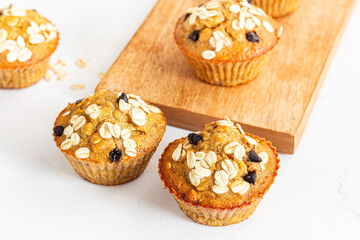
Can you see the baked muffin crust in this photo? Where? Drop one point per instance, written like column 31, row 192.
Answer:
column 225, row 169
column 226, row 30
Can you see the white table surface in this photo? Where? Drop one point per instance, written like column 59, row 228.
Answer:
column 315, row 196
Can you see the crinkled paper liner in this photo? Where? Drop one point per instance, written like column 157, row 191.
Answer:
column 23, row 77
column 217, row 217
column 111, row 173
column 277, row 8
column 227, row 73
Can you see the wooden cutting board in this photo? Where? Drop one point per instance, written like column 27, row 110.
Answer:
column 277, row 105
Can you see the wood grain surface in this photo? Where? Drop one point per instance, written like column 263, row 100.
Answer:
column 277, row 105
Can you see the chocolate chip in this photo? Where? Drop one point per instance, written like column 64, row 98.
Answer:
column 186, row 16
column 194, row 35
column 58, row 131
column 252, row 37
column 124, row 97
column 250, row 1
column 79, row 101
column 253, row 157
column 201, row 5
column 115, row 155
column 194, row 138
column 1, row 13
column 250, row 177
column 34, row 10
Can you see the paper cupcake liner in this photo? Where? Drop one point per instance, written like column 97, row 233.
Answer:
column 227, row 73
column 217, row 217
column 111, row 173
column 23, row 77
column 277, row 8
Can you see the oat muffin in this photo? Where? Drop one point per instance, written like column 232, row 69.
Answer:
column 27, row 40
column 108, row 137
column 277, row 8
column 226, row 42
column 219, row 175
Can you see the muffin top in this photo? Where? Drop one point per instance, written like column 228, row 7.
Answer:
column 219, row 167
column 109, row 127
column 25, row 37
column 226, row 30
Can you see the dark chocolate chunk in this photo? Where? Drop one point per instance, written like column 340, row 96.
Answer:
column 124, row 97
column 186, row 16
column 79, row 101
column 250, row 177
column 115, row 155
column 250, row 1
column 194, row 138
column 58, row 131
column 252, row 37
column 201, row 5
column 253, row 157
column 194, row 35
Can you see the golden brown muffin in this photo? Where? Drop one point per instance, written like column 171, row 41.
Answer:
column 226, row 41
column 219, row 175
column 277, row 8
column 27, row 40
column 108, row 137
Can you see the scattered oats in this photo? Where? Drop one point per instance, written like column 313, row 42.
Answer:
column 73, row 119
column 125, row 134
column 239, row 186
column 93, row 111
column 36, row 38
column 229, row 167
column 81, row 63
column 145, row 108
column 134, row 102
column 251, row 140
column 211, row 156
column 76, row 86
column 24, row 55
column 56, row 68
column 115, row 130
column 48, row 76
column 68, row 130
column 129, row 143
column 230, row 148
column 101, row 75
column 199, row 155
column 208, row 54
column 75, row 139
column 123, row 106
column 61, row 62
column 212, row 4
column 239, row 152
column 279, row 32
column 235, row 25
column 104, row 130
column 221, row 178
column 12, row 56
column 238, row 126
column 67, row 113
column 154, row 109
column 268, row 26
column 235, row 8
column 249, row 25
column 225, row 123
column 177, row 153
column 137, row 116
column 82, row 152
column 193, row 179
column 264, row 156
column 256, row 21
column 205, row 163
column 190, row 159
column 65, row 144
column 212, row 14
column 242, row 20
column 183, row 154
column 3, row 35
column 80, row 121
column 219, row 190
column 131, row 152
column 202, row 172
column 12, row 22
column 20, row 41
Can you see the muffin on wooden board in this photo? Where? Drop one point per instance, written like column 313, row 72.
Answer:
column 27, row 40
column 219, row 175
column 226, row 42
column 109, row 138
column 277, row 8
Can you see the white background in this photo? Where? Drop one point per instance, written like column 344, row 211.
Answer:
column 315, row 196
